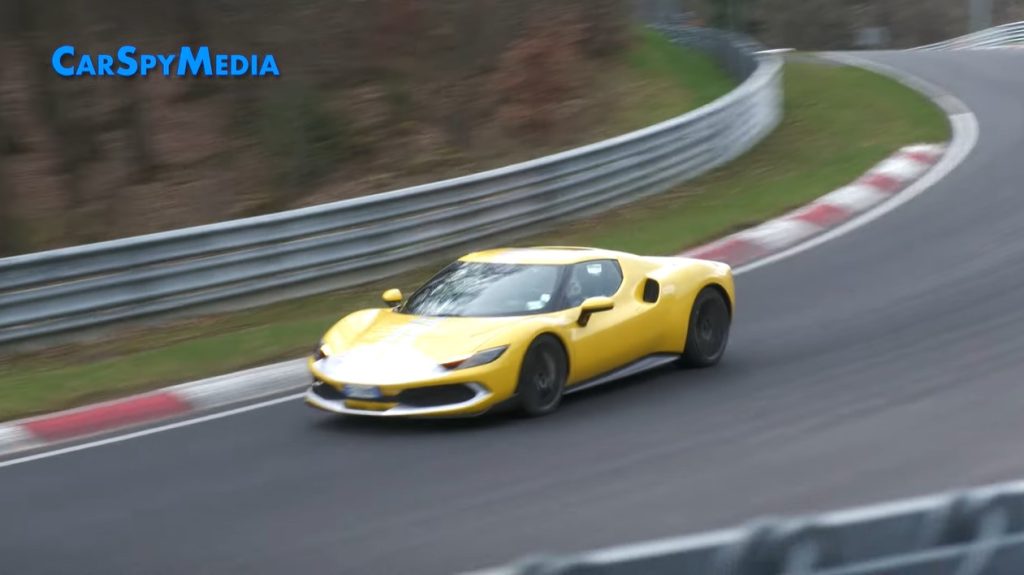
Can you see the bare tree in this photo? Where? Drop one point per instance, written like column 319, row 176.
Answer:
column 9, row 239
column 605, row 26
column 540, row 72
column 436, row 64
column 138, row 137
column 1009, row 11
column 50, row 105
column 10, row 142
column 833, row 24
column 466, row 66
column 818, row 25
column 133, row 121
column 190, row 19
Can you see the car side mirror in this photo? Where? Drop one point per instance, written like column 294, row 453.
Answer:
column 392, row 297
column 593, row 305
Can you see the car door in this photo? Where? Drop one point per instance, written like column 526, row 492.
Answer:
column 605, row 343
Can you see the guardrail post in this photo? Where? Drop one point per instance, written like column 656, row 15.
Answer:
column 962, row 519
column 758, row 553
column 809, row 547
column 779, row 548
column 992, row 525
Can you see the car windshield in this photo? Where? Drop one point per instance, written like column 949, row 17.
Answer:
column 479, row 289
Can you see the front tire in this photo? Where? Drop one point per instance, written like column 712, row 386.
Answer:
column 542, row 377
column 708, row 332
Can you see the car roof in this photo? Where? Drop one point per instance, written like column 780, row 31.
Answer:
column 542, row 255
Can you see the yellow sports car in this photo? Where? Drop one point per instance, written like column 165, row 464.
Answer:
column 522, row 327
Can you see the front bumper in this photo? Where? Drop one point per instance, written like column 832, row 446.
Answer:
column 456, row 393
column 328, row 398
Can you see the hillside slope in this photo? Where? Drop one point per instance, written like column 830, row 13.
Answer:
column 372, row 97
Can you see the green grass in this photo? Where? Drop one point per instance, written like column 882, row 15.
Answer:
column 659, row 81
column 839, row 121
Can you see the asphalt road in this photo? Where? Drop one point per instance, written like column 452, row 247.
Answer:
column 886, row 363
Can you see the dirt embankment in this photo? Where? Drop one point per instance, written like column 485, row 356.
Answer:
column 372, row 96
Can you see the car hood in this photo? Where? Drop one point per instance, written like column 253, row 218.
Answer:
column 382, row 346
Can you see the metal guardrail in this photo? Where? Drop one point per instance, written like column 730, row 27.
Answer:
column 1004, row 35
column 978, row 532
column 236, row 263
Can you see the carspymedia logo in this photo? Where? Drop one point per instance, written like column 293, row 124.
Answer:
column 129, row 62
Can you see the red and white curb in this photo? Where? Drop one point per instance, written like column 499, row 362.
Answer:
column 880, row 183
column 170, row 402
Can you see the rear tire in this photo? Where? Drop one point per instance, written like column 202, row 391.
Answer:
column 708, row 332
column 542, row 377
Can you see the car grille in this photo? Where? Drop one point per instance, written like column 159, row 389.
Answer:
column 328, row 392
column 430, row 396
column 436, row 395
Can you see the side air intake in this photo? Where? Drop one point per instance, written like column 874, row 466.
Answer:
column 651, row 291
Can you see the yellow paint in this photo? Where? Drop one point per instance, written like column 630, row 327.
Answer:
column 368, row 405
column 629, row 331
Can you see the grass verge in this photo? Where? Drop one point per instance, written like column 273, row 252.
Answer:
column 839, row 122
column 658, row 81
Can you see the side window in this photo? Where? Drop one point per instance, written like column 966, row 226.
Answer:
column 592, row 279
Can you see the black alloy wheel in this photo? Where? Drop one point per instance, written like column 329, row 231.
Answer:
column 708, row 331
column 542, row 377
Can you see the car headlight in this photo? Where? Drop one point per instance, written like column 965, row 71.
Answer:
column 320, row 352
column 478, row 358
